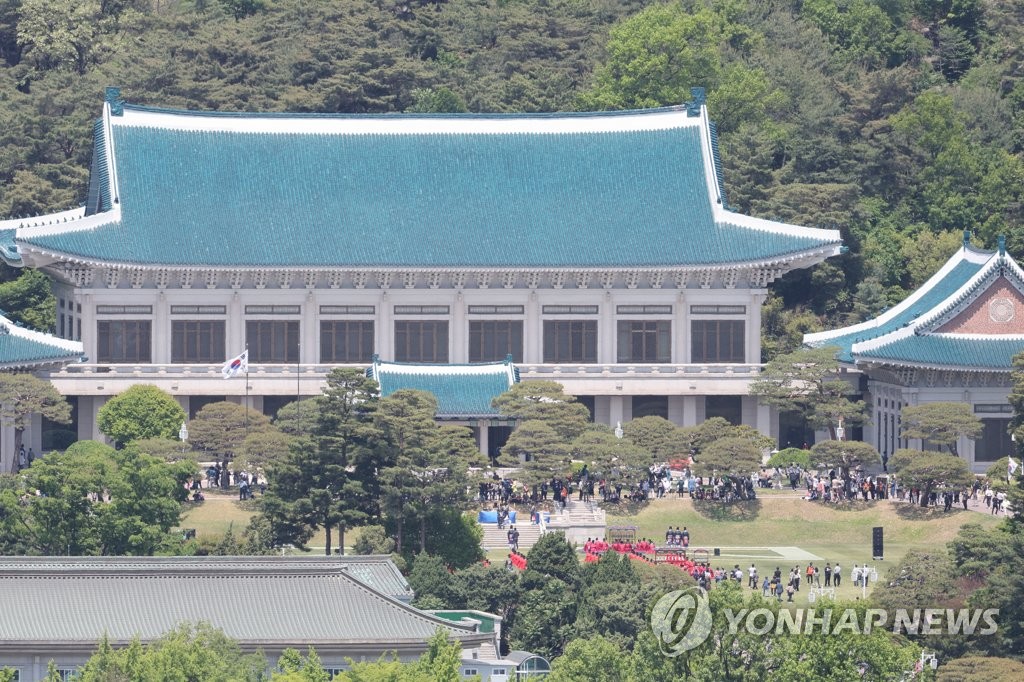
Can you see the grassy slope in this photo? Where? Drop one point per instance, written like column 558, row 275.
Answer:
column 778, row 520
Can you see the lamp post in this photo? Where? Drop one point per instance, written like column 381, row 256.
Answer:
column 183, row 436
column 618, row 430
column 840, row 431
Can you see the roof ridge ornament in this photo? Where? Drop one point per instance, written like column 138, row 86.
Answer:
column 112, row 96
column 698, row 97
column 1001, row 240
column 967, row 238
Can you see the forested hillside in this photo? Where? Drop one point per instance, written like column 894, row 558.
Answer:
column 901, row 122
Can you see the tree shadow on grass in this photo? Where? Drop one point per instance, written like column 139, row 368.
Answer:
column 716, row 510
column 915, row 512
column 848, row 505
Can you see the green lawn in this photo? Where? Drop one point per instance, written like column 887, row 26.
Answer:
column 832, row 533
column 218, row 512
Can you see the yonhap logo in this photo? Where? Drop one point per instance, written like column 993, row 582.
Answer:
column 681, row 620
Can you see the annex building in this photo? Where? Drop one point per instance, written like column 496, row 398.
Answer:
column 952, row 340
column 353, row 607
column 594, row 249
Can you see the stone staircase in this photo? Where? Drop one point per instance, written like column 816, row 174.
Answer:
column 579, row 521
column 497, row 538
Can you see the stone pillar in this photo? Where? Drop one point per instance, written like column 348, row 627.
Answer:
column 385, row 344
column 617, row 409
column 309, row 331
column 161, row 331
column 533, row 333
column 690, row 409
column 458, row 337
column 607, row 335
column 677, row 409
column 483, row 436
column 234, row 331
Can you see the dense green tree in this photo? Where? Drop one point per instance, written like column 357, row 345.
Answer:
column 541, row 450
column 595, row 658
column 547, row 402
column 432, row 582
column 143, row 411
column 657, row 435
column 784, row 458
column 190, row 652
column 846, row 455
column 423, row 473
column 28, row 300
column 95, row 500
column 219, row 430
column 926, row 470
column 942, row 424
column 808, row 381
column 617, row 460
column 728, row 456
column 21, row 397
column 323, row 480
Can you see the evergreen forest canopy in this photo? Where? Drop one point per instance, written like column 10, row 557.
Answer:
column 901, row 122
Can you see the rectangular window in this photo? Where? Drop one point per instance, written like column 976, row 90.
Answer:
column 346, row 340
column 273, row 309
column 124, row 310
column 718, row 310
column 197, row 341
column 421, row 341
column 199, row 310
column 123, row 341
column 994, row 442
column 645, row 341
column 570, row 309
column 718, row 341
column 570, row 341
column 643, row 309
column 272, row 341
column 496, row 310
column 493, row 340
column 61, row 334
column 421, row 310
column 347, row 310
column 78, row 329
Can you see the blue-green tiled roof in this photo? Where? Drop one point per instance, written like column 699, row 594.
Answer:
column 946, row 287
column 17, row 351
column 458, row 393
column 553, row 199
column 944, row 350
column 99, row 177
column 8, row 250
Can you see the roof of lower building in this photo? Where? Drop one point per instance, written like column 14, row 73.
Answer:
column 264, row 600
column 596, row 190
column 22, row 348
column 947, row 323
column 462, row 391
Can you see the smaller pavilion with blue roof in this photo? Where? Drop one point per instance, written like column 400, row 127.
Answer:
column 22, row 350
column 464, row 392
column 952, row 340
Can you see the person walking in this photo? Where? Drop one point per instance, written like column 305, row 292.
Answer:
column 836, row 575
column 828, row 575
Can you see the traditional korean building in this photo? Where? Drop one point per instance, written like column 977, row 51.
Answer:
column 952, row 340
column 59, row 608
column 597, row 249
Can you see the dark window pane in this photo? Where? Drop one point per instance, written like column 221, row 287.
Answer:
column 197, row 341
column 644, row 341
column 346, row 340
column 421, row 341
column 718, row 341
column 728, row 407
column 994, row 442
column 123, row 341
column 273, row 341
column 570, row 341
column 493, row 340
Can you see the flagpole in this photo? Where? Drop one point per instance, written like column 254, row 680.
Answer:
column 246, row 411
column 298, row 383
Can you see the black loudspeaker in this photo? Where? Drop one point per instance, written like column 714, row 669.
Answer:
column 876, row 543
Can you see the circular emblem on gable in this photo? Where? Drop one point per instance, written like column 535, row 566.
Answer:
column 1001, row 310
